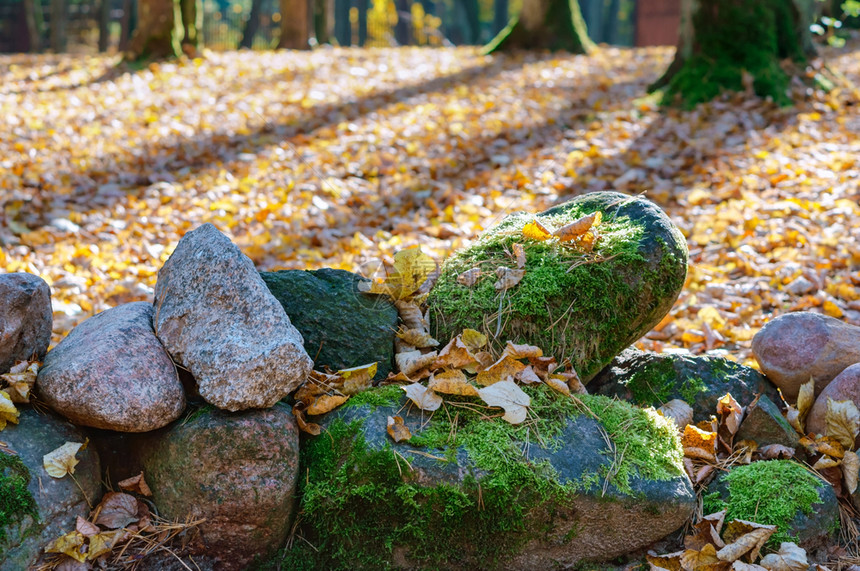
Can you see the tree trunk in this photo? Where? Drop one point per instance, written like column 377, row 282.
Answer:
column 252, row 24
column 295, row 24
column 500, row 15
column 322, row 20
column 58, row 26
column 104, row 25
column 545, row 24
column 363, row 6
column 191, row 25
column 403, row 27
column 735, row 44
column 33, row 17
column 128, row 24
column 154, row 36
column 342, row 25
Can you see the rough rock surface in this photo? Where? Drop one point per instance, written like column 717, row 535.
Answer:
column 58, row 501
column 587, row 306
column 846, row 386
column 25, row 318
column 216, row 317
column 341, row 326
column 112, row 372
column 237, row 470
column 653, row 379
column 497, row 501
column 795, row 347
column 765, row 424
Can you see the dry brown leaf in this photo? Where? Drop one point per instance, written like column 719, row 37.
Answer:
column 679, row 411
column 528, row 376
column 775, row 452
column 842, row 421
column 69, row 544
column 699, row 443
column 469, row 277
column 417, row 338
column 117, row 510
column 410, row 314
column 411, row 362
column 452, row 382
column 473, row 340
column 534, row 230
column 789, row 557
column 744, row 538
column 742, row 566
column 455, row 355
column 136, row 484
column 850, row 468
column 61, row 461
column 508, row 278
column 21, row 379
column 509, row 396
column 558, row 384
column 668, row 562
column 830, row 446
column 8, row 412
column 85, row 528
column 578, row 227
column 423, row 397
column 356, row 379
column 397, row 430
column 505, row 369
column 519, row 255
column 706, row 532
column 326, row 403
column 825, row 462
column 805, row 399
column 704, row 559
column 305, row 426
column 522, row 351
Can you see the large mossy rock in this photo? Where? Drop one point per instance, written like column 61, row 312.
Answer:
column 783, row 493
column 342, row 327
column 574, row 482
column 586, row 306
column 653, row 379
column 36, row 508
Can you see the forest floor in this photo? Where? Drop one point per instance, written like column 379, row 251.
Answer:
column 340, row 157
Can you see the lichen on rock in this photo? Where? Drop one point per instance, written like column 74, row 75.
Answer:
column 586, row 306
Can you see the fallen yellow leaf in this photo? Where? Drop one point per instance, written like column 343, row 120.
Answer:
column 61, row 461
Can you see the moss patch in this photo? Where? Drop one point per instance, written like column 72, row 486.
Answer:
column 364, row 505
column 771, row 493
column 15, row 499
column 659, row 381
column 735, row 37
column 584, row 306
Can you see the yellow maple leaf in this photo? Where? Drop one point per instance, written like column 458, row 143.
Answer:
column 411, row 268
column 505, row 369
column 326, row 403
column 356, row 379
column 452, row 382
column 69, row 544
column 534, row 230
column 842, row 421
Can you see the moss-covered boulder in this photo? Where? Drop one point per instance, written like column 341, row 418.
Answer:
column 781, row 493
column 587, row 306
column 35, row 508
column 576, row 481
column 653, row 379
column 342, row 327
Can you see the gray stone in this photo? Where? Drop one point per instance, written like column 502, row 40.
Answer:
column 846, row 386
column 216, row 317
column 341, row 326
column 588, row 307
column 112, row 372
column 237, row 470
column 25, row 318
column 58, row 500
column 653, row 379
column 765, row 424
column 796, row 347
column 491, row 496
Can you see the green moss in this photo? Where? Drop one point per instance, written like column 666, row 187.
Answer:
column 386, row 395
column 657, row 383
column 734, row 37
column 568, row 302
column 771, row 493
column 15, row 499
column 363, row 501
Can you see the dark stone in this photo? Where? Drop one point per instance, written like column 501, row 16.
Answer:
column 25, row 318
column 765, row 424
column 237, row 470
column 58, row 500
column 112, row 372
column 383, row 497
column 342, row 327
column 653, row 379
column 586, row 307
